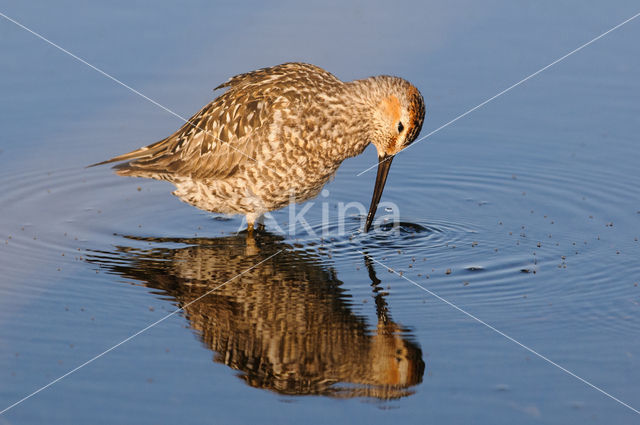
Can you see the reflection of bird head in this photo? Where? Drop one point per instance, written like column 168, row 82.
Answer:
column 394, row 360
column 287, row 324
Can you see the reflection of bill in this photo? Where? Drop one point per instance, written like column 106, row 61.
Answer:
column 286, row 325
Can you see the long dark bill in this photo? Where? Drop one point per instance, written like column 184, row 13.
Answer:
column 384, row 163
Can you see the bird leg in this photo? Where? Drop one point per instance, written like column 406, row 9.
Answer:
column 260, row 223
column 255, row 222
column 251, row 219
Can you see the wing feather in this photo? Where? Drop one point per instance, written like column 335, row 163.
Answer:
column 226, row 134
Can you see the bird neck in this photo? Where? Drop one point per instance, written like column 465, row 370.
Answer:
column 362, row 99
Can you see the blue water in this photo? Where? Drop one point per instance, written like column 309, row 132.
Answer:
column 524, row 213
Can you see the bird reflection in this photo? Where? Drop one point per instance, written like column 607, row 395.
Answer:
column 286, row 325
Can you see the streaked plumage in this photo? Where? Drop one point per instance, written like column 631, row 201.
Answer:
column 287, row 326
column 278, row 134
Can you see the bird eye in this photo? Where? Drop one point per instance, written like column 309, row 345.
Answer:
column 400, row 127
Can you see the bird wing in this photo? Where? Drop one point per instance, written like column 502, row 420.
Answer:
column 227, row 132
column 212, row 144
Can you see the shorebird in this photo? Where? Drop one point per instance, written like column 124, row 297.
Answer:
column 277, row 135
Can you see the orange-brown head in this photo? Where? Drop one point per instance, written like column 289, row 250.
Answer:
column 398, row 115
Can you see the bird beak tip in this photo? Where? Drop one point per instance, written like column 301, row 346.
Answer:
column 384, row 164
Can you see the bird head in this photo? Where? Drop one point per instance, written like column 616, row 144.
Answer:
column 398, row 114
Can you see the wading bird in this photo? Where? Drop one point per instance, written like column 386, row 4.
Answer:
column 277, row 135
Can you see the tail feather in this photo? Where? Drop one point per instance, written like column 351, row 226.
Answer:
column 143, row 152
column 132, row 170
